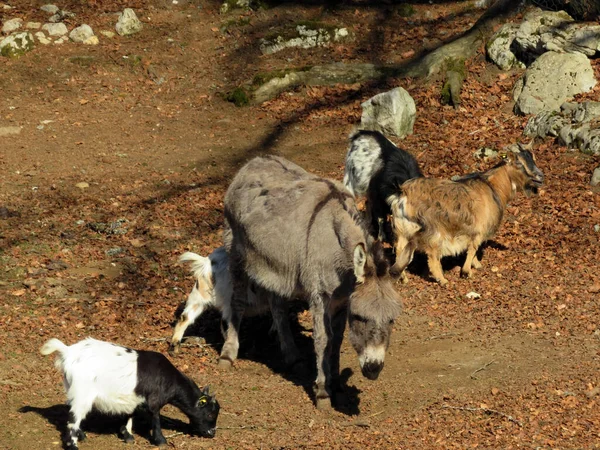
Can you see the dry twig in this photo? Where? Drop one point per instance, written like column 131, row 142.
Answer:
column 485, row 410
column 481, row 368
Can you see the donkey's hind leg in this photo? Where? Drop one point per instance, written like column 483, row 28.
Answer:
column 279, row 310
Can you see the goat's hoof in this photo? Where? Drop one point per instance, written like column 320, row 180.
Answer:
column 323, row 403
column 174, row 349
column 476, row 265
column 466, row 274
column 443, row 282
column 81, row 435
column 225, row 364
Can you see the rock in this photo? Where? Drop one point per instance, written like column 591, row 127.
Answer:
column 7, row 131
column 128, row 23
column 50, row 9
column 33, row 25
column 42, row 39
column 5, row 6
column 595, row 181
column 229, row 5
column 551, row 80
column 55, row 29
column 81, row 33
column 61, row 40
column 486, row 153
column 17, row 44
column 12, row 25
column 92, row 40
column 498, row 47
column 108, row 34
column 304, row 37
column 82, row 185
column 391, row 113
column 60, row 16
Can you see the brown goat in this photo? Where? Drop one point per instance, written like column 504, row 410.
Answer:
column 443, row 217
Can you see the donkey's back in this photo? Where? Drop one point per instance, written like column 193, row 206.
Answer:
column 290, row 226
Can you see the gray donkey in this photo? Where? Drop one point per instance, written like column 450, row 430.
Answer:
column 295, row 234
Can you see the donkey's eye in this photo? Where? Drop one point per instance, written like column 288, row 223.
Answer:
column 357, row 318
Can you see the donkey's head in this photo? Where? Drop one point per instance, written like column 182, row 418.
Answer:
column 374, row 305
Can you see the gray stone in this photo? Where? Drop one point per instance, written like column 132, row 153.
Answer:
column 92, row 40
column 61, row 40
column 392, row 113
column 108, row 34
column 498, row 47
column 486, row 153
column 81, row 33
column 16, row 44
column 60, row 16
column 304, row 37
column 128, row 23
column 229, row 5
column 50, row 9
column 551, row 80
column 55, row 29
column 595, row 181
column 12, row 25
column 33, row 25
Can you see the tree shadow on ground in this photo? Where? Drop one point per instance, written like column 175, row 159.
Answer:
column 97, row 423
column 259, row 343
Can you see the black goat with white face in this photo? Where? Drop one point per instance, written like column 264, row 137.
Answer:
column 116, row 380
column 375, row 167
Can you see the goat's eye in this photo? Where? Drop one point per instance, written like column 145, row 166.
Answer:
column 202, row 401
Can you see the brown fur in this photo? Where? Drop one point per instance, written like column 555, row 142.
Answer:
column 442, row 217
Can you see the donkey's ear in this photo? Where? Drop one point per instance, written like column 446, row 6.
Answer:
column 360, row 259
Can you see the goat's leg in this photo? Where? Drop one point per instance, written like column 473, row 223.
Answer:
column 127, row 431
column 80, row 407
column 279, row 310
column 321, row 334
column 435, row 266
column 469, row 260
column 193, row 309
column 158, row 438
column 231, row 346
column 476, row 264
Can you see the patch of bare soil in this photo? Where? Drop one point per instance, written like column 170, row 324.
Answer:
column 515, row 368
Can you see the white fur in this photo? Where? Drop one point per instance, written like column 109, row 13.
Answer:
column 363, row 161
column 213, row 289
column 98, row 374
column 372, row 354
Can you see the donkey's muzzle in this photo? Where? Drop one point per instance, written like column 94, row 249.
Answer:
column 371, row 370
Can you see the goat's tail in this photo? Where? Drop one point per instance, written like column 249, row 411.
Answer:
column 52, row 346
column 200, row 266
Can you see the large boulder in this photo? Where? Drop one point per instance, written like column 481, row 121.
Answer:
column 540, row 32
column 81, row 33
column 551, row 80
column 128, row 23
column 498, row 47
column 16, row 44
column 392, row 113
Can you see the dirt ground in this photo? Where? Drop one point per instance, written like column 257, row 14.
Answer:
column 516, row 368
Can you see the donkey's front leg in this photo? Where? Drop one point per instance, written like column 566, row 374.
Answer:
column 321, row 334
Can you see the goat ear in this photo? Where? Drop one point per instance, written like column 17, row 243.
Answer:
column 206, row 390
column 360, row 260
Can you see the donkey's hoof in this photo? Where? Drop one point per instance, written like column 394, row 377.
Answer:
column 323, row 403
column 225, row 364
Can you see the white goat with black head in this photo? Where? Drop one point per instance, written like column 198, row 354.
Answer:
column 116, row 380
column 375, row 167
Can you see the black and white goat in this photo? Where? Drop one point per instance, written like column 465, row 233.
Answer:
column 212, row 289
column 116, row 380
column 375, row 167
